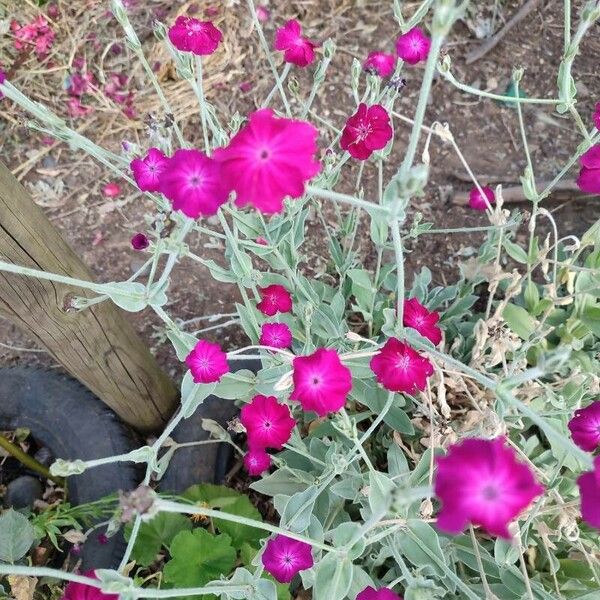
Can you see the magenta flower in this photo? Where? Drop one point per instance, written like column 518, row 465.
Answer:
column 380, row 63
column 193, row 184
column 370, row 593
column 482, row 482
column 261, row 241
column 367, row 130
column 321, row 381
column 477, row 201
column 596, row 116
column 111, row 190
column 274, row 299
column 399, row 368
column 37, row 35
column 139, row 241
column 418, row 317
column 76, row 109
column 585, row 427
column 284, row 557
column 589, row 490
column 268, row 423
column 81, row 591
column 275, row 335
column 207, row 362
column 2, row 80
column 102, row 539
column 192, row 35
column 257, row 461
column 413, row 46
column 148, row 170
column 296, row 48
column 589, row 176
column 269, row 159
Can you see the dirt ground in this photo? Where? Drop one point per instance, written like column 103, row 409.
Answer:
column 69, row 186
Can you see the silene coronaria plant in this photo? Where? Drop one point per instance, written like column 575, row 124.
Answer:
column 412, row 444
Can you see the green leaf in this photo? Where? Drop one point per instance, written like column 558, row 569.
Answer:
column 299, row 508
column 155, row 534
column 232, row 502
column 128, row 295
column 16, row 536
column 515, row 252
column 220, row 273
column 199, row 557
column 519, row 321
column 232, row 388
column 420, row 554
column 333, row 577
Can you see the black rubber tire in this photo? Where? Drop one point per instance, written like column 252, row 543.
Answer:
column 210, row 463
column 72, row 423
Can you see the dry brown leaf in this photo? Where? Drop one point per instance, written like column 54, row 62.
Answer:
column 22, row 588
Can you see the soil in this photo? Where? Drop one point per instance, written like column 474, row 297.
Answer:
column 69, row 185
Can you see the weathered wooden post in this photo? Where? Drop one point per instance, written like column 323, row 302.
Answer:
column 98, row 346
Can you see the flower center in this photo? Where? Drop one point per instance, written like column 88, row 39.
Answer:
column 364, row 130
column 267, row 424
column 195, row 180
column 490, row 492
column 315, row 381
column 264, row 154
column 403, row 362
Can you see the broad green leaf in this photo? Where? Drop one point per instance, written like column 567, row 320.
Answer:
column 16, row 536
column 515, row 252
column 519, row 321
column 199, row 557
column 299, row 508
column 155, row 534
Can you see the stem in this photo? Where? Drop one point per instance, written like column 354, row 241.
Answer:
column 192, row 509
column 202, row 102
column 486, row 586
column 29, row 461
column 346, row 199
column 398, row 250
column 265, row 45
column 280, row 81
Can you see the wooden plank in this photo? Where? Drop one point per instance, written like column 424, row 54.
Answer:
column 98, row 345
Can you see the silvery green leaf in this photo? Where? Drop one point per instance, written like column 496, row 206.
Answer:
column 350, row 537
column 282, row 481
column 333, row 577
column 128, row 295
column 420, row 544
column 183, row 342
column 65, row 468
column 16, row 536
column 299, row 508
column 380, row 492
column 195, row 397
column 231, row 388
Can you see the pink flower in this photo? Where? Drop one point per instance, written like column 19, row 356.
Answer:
column 268, row 423
column 207, row 362
column 193, row 184
column 37, row 35
column 102, row 539
column 111, row 190
column 589, row 176
column 139, row 241
column 246, row 86
column 76, row 109
column 296, row 48
column 147, row 171
column 399, row 368
column 192, row 35
column 261, row 240
column 413, row 46
column 256, row 461
column 2, row 80
column 81, row 591
column 263, row 14
column 367, row 130
column 589, row 490
column 274, row 299
column 370, row 593
column 418, row 317
column 585, row 427
column 477, row 201
column 596, row 116
column 269, row 159
column 381, row 63
column 321, row 381
column 284, row 557
column 79, row 83
column 482, row 482
column 275, row 335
